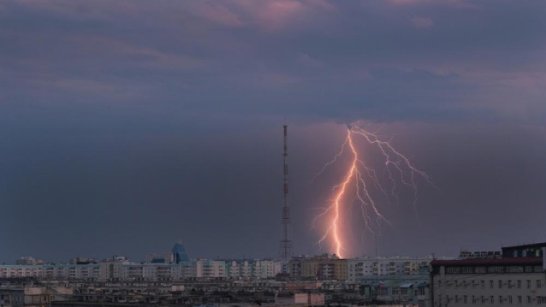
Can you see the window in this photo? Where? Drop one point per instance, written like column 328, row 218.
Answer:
column 528, row 300
column 465, row 299
column 509, row 299
column 483, row 283
column 519, row 299
column 528, row 284
column 500, row 299
column 519, row 284
column 539, row 284
column 491, row 284
column 492, row 299
column 495, row 269
column 500, row 284
column 514, row 269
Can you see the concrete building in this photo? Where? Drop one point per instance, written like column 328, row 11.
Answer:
column 396, row 289
column 25, row 296
column 516, row 278
column 264, row 269
column 28, row 261
column 359, row 268
column 120, row 268
column 323, row 267
column 205, row 268
column 252, row 268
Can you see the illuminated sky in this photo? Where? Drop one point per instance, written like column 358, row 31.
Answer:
column 128, row 125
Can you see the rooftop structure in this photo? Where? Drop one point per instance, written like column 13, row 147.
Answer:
column 524, row 250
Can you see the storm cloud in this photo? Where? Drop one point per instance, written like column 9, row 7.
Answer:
column 128, row 125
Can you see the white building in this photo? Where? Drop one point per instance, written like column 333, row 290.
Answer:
column 205, row 268
column 517, row 279
column 122, row 269
column 253, row 269
column 359, row 268
column 264, row 269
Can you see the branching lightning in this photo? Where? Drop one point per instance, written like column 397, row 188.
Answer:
column 363, row 182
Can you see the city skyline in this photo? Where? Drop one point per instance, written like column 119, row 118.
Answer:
column 126, row 126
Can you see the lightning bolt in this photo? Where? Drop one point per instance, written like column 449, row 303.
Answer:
column 365, row 183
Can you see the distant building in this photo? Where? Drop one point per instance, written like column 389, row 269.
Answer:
column 403, row 290
column 360, row 268
column 479, row 254
column 323, row 267
column 517, row 278
column 178, row 254
column 309, row 299
column 205, row 268
column 25, row 297
column 252, row 268
column 121, row 269
column 83, row 260
column 28, row 261
column 391, row 280
column 293, row 267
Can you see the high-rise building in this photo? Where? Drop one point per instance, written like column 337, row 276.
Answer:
column 179, row 254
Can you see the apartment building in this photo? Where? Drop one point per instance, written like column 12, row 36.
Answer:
column 360, row 268
column 323, row 267
column 117, row 268
column 517, row 278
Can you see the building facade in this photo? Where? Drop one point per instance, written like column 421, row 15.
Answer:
column 122, row 269
column 360, row 268
column 516, row 278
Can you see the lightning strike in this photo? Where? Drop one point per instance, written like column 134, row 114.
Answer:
column 363, row 181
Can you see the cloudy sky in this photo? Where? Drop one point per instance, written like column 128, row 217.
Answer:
column 128, row 125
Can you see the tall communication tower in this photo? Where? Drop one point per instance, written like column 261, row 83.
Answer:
column 286, row 244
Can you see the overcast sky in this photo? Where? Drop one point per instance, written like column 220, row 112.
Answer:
column 128, row 125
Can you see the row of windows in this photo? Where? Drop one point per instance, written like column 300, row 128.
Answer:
column 509, row 299
column 493, row 269
column 491, row 284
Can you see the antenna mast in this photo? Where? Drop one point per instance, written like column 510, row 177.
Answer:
column 286, row 244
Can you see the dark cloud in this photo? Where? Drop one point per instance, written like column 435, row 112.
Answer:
column 128, row 125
